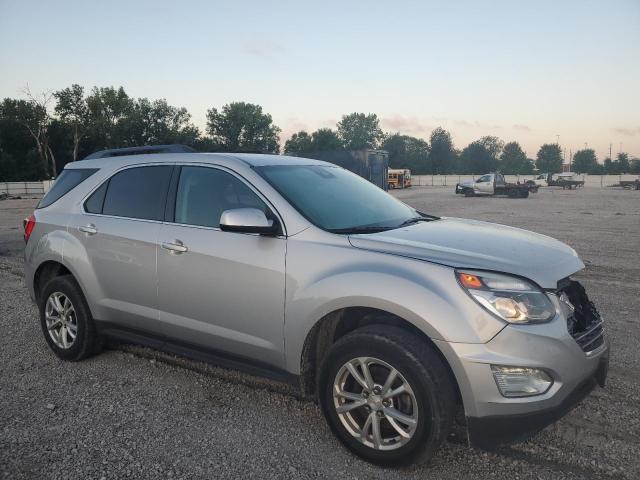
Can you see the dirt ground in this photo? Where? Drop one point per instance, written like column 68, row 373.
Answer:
column 133, row 413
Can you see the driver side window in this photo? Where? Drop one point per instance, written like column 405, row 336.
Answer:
column 204, row 193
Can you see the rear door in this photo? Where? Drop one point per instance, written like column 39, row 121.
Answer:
column 223, row 291
column 119, row 228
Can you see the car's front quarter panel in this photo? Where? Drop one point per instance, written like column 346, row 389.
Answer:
column 325, row 274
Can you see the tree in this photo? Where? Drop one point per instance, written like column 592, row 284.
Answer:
column 157, row 123
column 298, row 143
column 609, row 167
column 635, row 166
column 443, row 155
column 476, row 158
column 622, row 163
column 358, row 130
column 407, row 152
column 549, row 159
column 325, row 139
column 585, row 161
column 72, row 109
column 33, row 115
column 514, row 161
column 108, row 109
column 243, row 126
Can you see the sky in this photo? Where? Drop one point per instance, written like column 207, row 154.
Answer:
column 528, row 71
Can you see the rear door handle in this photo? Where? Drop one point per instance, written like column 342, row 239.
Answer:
column 177, row 247
column 89, row 229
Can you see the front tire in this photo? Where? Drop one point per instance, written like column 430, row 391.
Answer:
column 387, row 395
column 66, row 321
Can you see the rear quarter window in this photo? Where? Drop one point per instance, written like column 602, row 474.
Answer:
column 66, row 181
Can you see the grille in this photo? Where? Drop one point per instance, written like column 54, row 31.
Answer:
column 583, row 320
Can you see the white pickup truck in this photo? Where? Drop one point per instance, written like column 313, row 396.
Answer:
column 494, row 184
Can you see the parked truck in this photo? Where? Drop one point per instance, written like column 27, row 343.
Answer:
column 565, row 180
column 494, row 184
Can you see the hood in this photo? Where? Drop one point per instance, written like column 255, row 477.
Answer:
column 469, row 244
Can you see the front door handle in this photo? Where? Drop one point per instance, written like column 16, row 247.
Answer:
column 89, row 229
column 175, row 247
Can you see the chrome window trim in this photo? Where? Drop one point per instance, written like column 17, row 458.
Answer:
column 183, row 164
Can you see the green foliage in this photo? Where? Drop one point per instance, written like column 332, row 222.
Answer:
column 325, row 139
column 358, row 131
column 635, row 166
column 585, row 161
column 443, row 156
column 549, row 159
column 407, row 152
column 513, row 160
column 298, row 143
column 241, row 126
column 622, row 163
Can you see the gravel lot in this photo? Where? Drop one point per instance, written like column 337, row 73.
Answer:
column 135, row 413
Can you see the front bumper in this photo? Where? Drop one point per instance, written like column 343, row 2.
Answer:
column 492, row 418
column 494, row 430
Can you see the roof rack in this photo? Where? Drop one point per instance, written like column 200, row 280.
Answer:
column 119, row 152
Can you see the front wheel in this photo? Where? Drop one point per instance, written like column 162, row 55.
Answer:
column 387, row 395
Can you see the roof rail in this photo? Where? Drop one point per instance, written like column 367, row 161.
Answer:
column 119, row 152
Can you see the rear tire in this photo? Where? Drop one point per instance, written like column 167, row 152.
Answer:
column 426, row 404
column 66, row 321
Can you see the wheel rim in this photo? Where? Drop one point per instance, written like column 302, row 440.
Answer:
column 375, row 403
column 61, row 320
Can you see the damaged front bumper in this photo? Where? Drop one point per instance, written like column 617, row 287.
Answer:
column 572, row 350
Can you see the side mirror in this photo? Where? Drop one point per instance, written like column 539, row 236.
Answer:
column 248, row 220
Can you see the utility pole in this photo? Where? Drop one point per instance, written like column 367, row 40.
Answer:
column 610, row 145
column 585, row 145
column 557, row 139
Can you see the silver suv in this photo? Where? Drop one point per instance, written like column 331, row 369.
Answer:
column 396, row 321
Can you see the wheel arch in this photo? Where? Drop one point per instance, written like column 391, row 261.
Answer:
column 338, row 323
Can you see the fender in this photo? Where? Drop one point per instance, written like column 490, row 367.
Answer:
column 404, row 287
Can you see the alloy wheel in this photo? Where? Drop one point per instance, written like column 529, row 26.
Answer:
column 375, row 403
column 61, row 321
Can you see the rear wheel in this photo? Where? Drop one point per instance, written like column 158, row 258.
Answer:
column 387, row 395
column 66, row 320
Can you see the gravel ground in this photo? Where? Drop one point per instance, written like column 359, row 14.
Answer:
column 135, row 413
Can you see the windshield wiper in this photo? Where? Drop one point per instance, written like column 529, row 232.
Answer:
column 355, row 230
column 413, row 220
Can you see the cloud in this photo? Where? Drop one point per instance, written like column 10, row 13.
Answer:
column 522, row 128
column 262, row 48
column 476, row 124
column 630, row 132
column 407, row 125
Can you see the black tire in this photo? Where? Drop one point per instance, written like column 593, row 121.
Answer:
column 469, row 193
column 87, row 342
column 524, row 194
column 424, row 370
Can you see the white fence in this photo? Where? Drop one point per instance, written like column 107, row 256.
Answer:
column 27, row 189
column 598, row 181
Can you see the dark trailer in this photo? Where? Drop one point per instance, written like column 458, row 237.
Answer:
column 372, row 165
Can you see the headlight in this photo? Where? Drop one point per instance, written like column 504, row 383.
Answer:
column 510, row 298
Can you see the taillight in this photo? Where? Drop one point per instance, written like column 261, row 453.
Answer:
column 29, row 224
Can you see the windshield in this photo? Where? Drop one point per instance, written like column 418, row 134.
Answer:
column 337, row 200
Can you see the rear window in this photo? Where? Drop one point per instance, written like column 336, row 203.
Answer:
column 138, row 192
column 66, row 181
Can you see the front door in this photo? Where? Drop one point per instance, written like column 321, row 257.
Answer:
column 223, row 291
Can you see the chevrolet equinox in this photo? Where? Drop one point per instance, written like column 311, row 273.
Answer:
column 392, row 319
